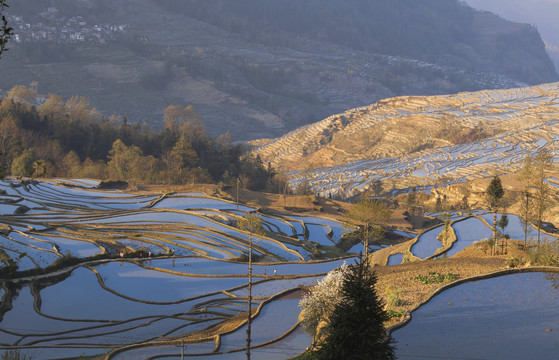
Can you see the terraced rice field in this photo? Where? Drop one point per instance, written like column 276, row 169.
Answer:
column 376, row 143
column 465, row 230
column 186, row 276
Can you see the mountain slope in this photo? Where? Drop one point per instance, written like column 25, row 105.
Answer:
column 444, row 32
column 418, row 141
column 287, row 74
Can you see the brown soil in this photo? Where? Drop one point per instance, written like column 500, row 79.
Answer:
column 470, row 262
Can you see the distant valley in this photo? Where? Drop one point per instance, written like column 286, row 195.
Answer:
column 265, row 85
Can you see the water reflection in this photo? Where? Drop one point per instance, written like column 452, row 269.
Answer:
column 510, row 317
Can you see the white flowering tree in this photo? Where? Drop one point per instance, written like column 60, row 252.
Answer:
column 318, row 304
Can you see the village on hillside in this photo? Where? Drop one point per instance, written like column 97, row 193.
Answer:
column 58, row 28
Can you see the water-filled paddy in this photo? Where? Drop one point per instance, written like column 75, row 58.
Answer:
column 114, row 303
column 150, row 285
column 468, row 231
column 395, row 259
column 515, row 227
column 427, row 244
column 509, row 317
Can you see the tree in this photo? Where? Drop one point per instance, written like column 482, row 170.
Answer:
column 126, row 162
column 53, row 108
column 251, row 223
column 526, row 210
column 10, row 137
column 503, row 223
column 412, row 199
column 356, row 326
column 526, row 198
column 22, row 94
column 71, row 164
column 541, row 164
column 5, row 31
column 375, row 215
column 495, row 193
column 319, row 303
column 23, row 164
column 376, row 187
column 182, row 157
column 439, row 204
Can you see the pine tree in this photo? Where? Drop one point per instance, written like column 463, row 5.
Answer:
column 356, row 327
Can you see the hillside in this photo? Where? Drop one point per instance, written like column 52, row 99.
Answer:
column 419, row 141
column 284, row 75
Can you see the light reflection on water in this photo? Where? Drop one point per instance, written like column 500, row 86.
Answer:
column 509, row 317
column 427, row 243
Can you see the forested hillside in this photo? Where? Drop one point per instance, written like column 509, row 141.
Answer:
column 69, row 138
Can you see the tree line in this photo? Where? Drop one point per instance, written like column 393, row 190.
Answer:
column 70, row 138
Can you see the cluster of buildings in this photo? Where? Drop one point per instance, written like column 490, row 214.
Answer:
column 56, row 28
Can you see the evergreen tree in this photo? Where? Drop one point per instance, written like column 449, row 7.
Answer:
column 356, row 327
column 495, row 192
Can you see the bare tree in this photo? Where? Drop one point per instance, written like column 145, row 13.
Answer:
column 251, row 223
column 526, row 198
column 542, row 163
column 374, row 214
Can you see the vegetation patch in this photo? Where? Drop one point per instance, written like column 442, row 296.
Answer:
column 435, row 278
column 393, row 297
column 395, row 314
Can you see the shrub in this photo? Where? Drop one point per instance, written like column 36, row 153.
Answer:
column 546, row 254
column 393, row 297
column 435, row 277
column 393, row 313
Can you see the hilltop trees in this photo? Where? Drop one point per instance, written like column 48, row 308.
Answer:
column 71, row 138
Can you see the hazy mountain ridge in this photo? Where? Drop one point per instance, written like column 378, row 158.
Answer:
column 445, row 32
column 252, row 87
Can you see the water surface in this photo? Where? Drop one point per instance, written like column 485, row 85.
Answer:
column 509, row 317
